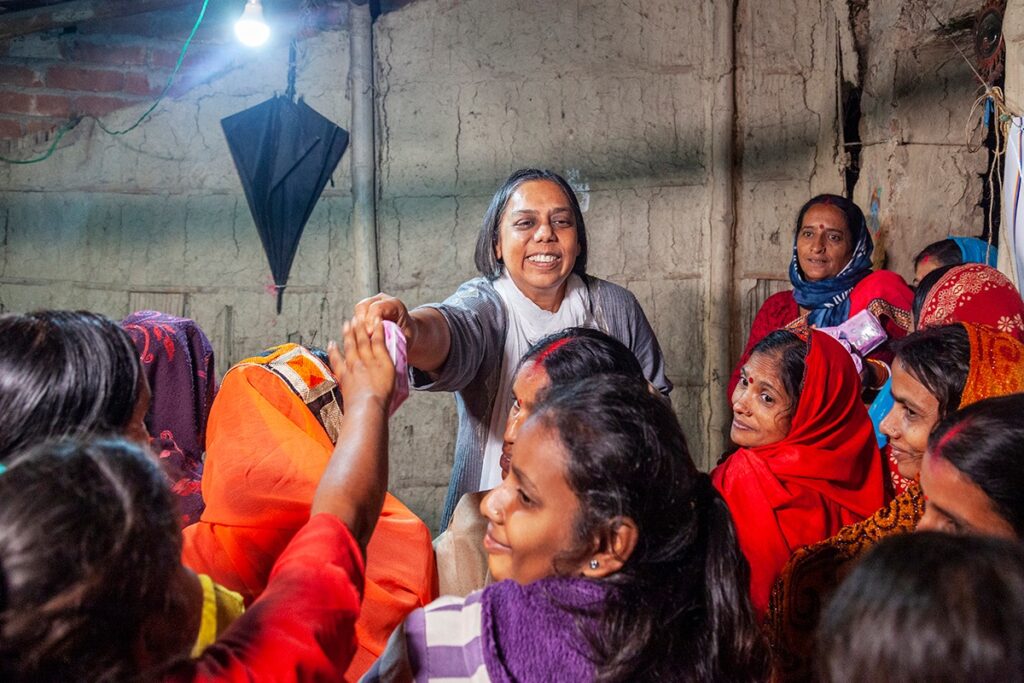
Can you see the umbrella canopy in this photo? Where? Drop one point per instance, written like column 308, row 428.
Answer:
column 285, row 153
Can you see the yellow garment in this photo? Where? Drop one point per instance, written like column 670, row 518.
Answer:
column 220, row 608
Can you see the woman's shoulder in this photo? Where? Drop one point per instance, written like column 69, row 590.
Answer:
column 884, row 284
column 607, row 290
column 776, row 312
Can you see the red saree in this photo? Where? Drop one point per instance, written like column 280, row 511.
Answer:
column 883, row 292
column 267, row 446
column 825, row 474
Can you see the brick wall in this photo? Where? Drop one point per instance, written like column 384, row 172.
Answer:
column 97, row 68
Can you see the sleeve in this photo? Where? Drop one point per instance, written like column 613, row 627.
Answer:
column 646, row 348
column 473, row 319
column 776, row 312
column 303, row 626
column 394, row 665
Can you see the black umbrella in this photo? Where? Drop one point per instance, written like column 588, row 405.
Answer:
column 285, row 153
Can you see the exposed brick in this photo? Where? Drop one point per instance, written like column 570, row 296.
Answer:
column 98, row 105
column 12, row 74
column 140, row 84
column 197, row 56
column 40, row 125
column 10, row 129
column 101, row 53
column 170, row 24
column 42, row 105
column 84, row 79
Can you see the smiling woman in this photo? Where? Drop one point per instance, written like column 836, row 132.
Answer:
column 620, row 559
column 531, row 253
column 807, row 462
column 832, row 279
column 936, row 371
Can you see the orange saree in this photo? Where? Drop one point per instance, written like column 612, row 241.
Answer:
column 269, row 438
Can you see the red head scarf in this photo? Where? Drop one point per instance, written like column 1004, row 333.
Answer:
column 974, row 293
column 825, row 474
column 269, row 438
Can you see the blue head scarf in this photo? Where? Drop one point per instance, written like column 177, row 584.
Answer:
column 829, row 299
column 974, row 250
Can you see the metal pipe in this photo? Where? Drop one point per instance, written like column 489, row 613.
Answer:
column 721, row 230
column 364, row 191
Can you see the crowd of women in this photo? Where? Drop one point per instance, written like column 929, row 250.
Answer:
column 156, row 524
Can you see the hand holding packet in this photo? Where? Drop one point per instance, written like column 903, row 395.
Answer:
column 862, row 331
column 394, row 340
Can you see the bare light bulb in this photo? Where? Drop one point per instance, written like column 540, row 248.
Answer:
column 250, row 29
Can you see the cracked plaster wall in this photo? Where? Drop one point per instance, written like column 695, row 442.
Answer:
column 616, row 95
column 916, row 161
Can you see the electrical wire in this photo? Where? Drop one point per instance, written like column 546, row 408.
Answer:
column 71, row 123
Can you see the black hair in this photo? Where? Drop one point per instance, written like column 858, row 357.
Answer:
column 928, row 607
column 855, row 222
column 681, row 608
column 985, row 441
column 578, row 352
column 791, row 351
column 64, row 373
column 486, row 261
column 89, row 543
column 924, row 287
column 946, row 252
column 939, row 358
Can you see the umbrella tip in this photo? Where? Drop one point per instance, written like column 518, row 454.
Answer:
column 280, row 297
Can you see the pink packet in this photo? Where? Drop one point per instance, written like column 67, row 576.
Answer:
column 395, row 342
column 862, row 331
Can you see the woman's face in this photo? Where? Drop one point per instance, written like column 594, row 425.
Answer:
column 761, row 408
column 530, row 381
column 914, row 412
column 530, row 514
column 538, row 241
column 955, row 504
column 823, row 242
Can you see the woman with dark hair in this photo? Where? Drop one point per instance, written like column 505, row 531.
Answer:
column 973, row 473
column 953, row 251
column 928, row 607
column 177, row 359
column 558, row 359
column 65, row 373
column 617, row 559
column 532, row 255
column 936, row 371
column 75, row 373
column 90, row 559
column 968, row 293
column 832, row 280
column 807, row 462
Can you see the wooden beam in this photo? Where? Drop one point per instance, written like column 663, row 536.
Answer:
column 76, row 12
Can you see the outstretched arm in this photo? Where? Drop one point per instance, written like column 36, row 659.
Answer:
column 427, row 336
column 355, row 481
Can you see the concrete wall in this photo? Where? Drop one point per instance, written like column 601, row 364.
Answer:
column 617, row 96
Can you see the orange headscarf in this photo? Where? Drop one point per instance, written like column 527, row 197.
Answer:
column 826, row 472
column 997, row 365
column 269, row 438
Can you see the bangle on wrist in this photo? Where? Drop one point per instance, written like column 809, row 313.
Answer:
column 884, row 373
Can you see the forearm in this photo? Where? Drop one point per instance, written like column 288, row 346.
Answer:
column 354, row 484
column 429, row 346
